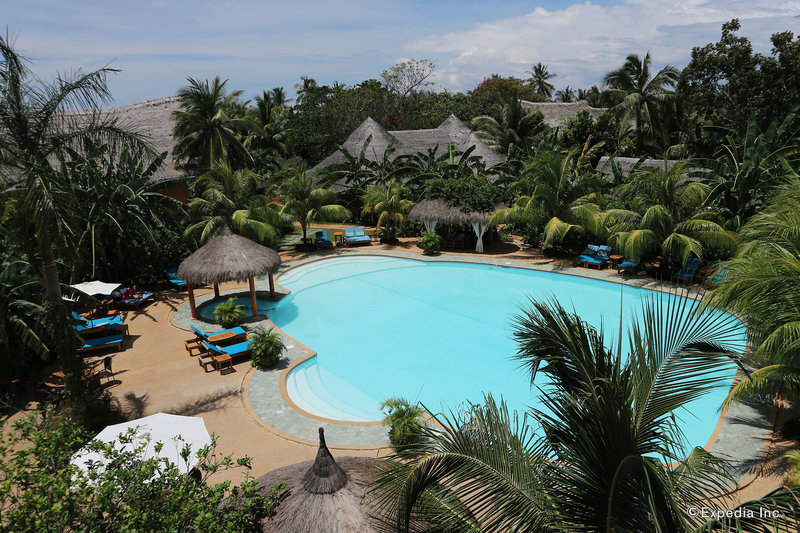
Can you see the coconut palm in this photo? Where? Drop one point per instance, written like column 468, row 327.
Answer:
column 268, row 123
column 232, row 199
column 605, row 454
column 557, row 198
column 635, row 94
column 303, row 87
column 762, row 285
column 387, row 202
column 673, row 222
column 306, row 203
column 37, row 122
column 205, row 128
column 566, row 95
column 509, row 124
column 538, row 80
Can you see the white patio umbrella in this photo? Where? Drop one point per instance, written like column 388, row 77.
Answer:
column 96, row 288
column 173, row 431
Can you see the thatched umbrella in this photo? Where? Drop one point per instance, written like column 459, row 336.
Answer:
column 229, row 257
column 429, row 212
column 324, row 495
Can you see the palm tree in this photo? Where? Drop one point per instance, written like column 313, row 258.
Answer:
column 303, row 87
column 555, row 198
column 538, row 80
column 673, row 221
column 634, row 93
column 205, row 130
column 35, row 128
column 608, row 454
column 388, row 203
column 233, row 199
column 268, row 126
column 566, row 95
column 278, row 97
column 508, row 124
column 306, row 203
column 762, row 285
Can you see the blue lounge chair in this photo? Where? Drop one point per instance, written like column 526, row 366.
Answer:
column 629, row 265
column 356, row 236
column 234, row 350
column 172, row 277
column 203, row 336
column 87, row 323
column 133, row 302
column 719, row 275
column 593, row 255
column 100, row 343
column 689, row 271
column 322, row 239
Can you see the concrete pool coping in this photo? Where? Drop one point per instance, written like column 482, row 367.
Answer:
column 741, row 433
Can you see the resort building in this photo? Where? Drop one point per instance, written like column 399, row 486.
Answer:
column 409, row 142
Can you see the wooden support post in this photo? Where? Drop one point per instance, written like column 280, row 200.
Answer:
column 216, row 290
column 253, row 296
column 271, row 287
column 191, row 301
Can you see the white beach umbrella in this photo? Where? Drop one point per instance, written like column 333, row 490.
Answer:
column 173, row 431
column 96, row 288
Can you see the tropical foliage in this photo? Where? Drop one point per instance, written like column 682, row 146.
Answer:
column 233, row 199
column 388, row 206
column 606, row 453
column 306, row 203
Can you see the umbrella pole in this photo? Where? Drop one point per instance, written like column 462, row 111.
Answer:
column 253, row 296
column 271, row 287
column 191, row 301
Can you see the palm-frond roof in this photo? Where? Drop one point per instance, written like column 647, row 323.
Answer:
column 409, row 142
column 556, row 114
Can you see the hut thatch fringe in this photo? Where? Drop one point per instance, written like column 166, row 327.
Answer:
column 439, row 210
column 324, row 476
column 228, row 257
column 348, row 510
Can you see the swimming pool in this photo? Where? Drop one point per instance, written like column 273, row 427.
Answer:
column 435, row 332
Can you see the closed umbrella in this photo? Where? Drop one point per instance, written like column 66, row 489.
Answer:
column 96, row 288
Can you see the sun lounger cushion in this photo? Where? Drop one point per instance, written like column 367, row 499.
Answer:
column 356, row 235
column 692, row 266
column 134, row 301
column 110, row 322
column 322, row 239
column 172, row 277
column 203, row 335
column 111, row 340
column 232, row 350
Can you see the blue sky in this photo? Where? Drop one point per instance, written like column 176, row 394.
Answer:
column 262, row 44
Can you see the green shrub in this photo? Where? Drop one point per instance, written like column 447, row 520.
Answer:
column 430, row 242
column 229, row 314
column 403, row 419
column 267, row 347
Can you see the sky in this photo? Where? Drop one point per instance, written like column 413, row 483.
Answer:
column 260, row 44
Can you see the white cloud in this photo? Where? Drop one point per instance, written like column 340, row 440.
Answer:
column 583, row 41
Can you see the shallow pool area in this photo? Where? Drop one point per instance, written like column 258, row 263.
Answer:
column 435, row 332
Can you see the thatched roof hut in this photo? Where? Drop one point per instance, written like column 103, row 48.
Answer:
column 313, row 504
column 431, row 212
column 229, row 257
column 409, row 142
column 556, row 114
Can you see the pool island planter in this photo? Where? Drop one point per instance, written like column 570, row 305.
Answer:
column 229, row 257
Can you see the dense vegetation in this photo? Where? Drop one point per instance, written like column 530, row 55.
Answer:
column 79, row 200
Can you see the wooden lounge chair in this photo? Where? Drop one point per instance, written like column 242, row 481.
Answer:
column 321, row 239
column 595, row 256
column 101, row 343
column 689, row 271
column 227, row 354
column 173, row 279
column 629, row 265
column 134, row 302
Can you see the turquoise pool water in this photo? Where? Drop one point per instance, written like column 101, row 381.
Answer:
column 206, row 311
column 435, row 332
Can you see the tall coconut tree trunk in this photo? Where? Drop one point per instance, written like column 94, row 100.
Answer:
column 65, row 344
